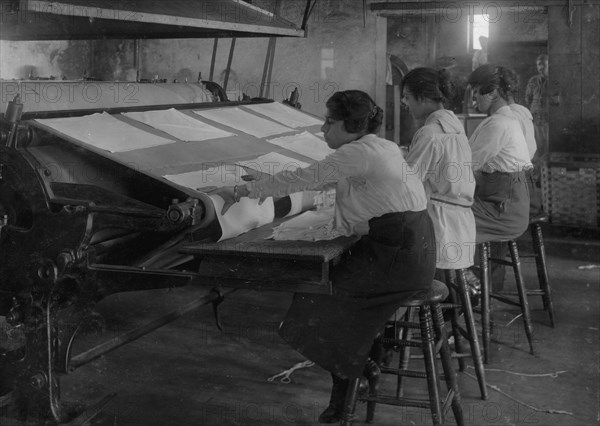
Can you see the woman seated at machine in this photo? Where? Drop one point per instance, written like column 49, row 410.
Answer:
column 395, row 258
column 500, row 158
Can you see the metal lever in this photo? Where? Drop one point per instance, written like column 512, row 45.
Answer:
column 13, row 114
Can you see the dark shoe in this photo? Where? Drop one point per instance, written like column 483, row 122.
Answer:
column 333, row 412
column 474, row 287
column 473, row 283
column 372, row 372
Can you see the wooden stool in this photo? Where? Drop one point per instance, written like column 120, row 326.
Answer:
column 433, row 341
column 487, row 295
column 539, row 253
column 463, row 302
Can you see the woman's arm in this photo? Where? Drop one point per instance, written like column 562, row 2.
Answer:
column 348, row 160
column 424, row 156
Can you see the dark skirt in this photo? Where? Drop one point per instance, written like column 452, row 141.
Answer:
column 536, row 201
column 386, row 267
column 501, row 206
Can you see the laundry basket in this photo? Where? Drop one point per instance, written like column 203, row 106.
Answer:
column 571, row 189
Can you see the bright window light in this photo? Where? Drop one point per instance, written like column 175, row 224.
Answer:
column 480, row 27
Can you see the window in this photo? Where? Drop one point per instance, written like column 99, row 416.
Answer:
column 479, row 26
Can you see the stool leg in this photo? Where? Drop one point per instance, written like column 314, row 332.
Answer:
column 454, row 318
column 514, row 254
column 350, row 402
column 449, row 374
column 404, row 356
column 433, row 378
column 542, row 271
column 471, row 332
column 485, row 300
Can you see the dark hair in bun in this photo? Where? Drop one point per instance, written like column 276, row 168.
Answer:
column 357, row 109
column 429, row 83
column 489, row 77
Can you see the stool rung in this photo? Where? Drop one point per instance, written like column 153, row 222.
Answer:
column 399, row 402
column 405, row 324
column 532, row 292
column 500, row 261
column 450, row 305
column 398, row 342
column 505, row 299
column 453, row 355
column 527, row 256
column 404, row 373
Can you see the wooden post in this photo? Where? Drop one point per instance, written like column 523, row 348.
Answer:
column 381, row 65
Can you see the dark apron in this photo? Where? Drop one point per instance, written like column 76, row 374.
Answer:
column 386, row 267
column 501, row 206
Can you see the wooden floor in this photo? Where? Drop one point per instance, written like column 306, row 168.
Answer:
column 190, row 373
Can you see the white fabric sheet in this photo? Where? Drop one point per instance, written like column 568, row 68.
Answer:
column 273, row 162
column 304, row 143
column 178, row 124
column 309, row 226
column 244, row 121
column 285, row 115
column 218, row 176
column 241, row 217
column 103, row 131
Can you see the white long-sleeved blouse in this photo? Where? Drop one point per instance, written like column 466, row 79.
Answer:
column 498, row 144
column 371, row 179
column 441, row 154
column 526, row 121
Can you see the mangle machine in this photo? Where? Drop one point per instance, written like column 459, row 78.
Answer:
column 103, row 189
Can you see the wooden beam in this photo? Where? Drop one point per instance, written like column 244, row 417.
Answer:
column 381, row 65
column 159, row 13
column 409, row 5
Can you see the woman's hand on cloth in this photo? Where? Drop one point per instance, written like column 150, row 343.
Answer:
column 227, row 193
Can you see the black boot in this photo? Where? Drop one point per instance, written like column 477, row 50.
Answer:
column 372, row 372
column 333, row 413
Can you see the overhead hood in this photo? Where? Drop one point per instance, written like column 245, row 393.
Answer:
column 84, row 20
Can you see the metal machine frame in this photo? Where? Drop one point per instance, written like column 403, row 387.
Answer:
column 51, row 290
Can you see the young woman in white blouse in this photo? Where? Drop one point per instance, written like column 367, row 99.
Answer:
column 500, row 159
column 441, row 156
column 377, row 197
